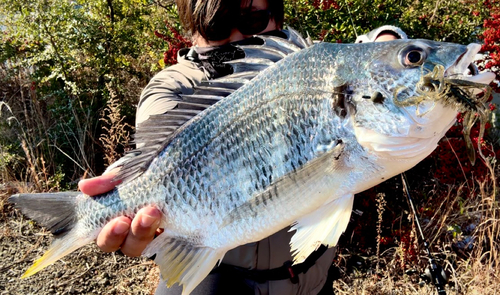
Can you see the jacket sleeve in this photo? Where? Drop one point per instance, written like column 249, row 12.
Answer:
column 372, row 35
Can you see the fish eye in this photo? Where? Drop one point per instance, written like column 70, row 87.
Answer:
column 413, row 56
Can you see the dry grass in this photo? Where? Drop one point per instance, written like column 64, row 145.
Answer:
column 116, row 133
column 471, row 259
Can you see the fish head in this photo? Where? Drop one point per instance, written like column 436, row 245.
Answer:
column 410, row 93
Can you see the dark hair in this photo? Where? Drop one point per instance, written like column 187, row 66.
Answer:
column 214, row 19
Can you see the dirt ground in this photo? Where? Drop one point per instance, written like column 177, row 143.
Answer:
column 86, row 271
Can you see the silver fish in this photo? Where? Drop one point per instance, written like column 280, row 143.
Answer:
column 290, row 147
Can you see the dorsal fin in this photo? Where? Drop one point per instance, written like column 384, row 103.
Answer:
column 213, row 90
column 155, row 133
column 249, row 64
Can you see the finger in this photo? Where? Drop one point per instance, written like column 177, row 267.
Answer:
column 142, row 231
column 99, row 185
column 113, row 235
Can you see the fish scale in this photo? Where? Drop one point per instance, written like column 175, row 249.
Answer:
column 222, row 144
column 290, row 147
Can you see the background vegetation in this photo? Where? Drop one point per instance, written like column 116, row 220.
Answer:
column 71, row 73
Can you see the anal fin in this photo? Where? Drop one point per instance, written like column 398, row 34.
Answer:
column 323, row 226
column 181, row 262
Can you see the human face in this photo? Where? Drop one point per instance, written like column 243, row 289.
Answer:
column 236, row 35
column 385, row 37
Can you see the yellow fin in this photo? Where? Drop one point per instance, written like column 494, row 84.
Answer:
column 59, row 248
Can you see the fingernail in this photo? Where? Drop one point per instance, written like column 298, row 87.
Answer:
column 148, row 220
column 121, row 228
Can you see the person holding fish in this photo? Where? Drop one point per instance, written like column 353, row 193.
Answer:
column 218, row 28
column 253, row 146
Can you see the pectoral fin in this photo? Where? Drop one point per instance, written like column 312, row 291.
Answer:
column 323, row 226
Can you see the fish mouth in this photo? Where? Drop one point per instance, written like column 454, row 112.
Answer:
column 462, row 84
column 464, row 68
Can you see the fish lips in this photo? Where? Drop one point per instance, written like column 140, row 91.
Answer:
column 467, row 70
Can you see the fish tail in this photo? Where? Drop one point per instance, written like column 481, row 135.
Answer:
column 182, row 262
column 57, row 212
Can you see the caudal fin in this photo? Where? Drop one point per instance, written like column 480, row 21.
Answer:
column 57, row 212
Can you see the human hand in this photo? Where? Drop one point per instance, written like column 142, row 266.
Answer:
column 130, row 236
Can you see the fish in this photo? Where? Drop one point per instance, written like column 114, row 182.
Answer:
column 286, row 140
